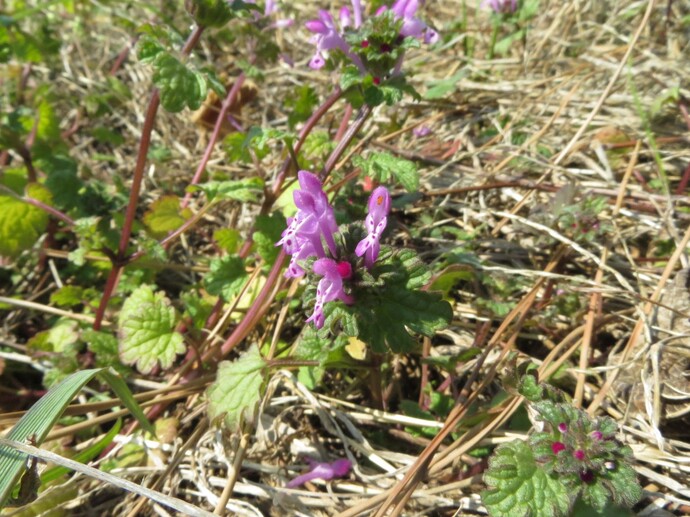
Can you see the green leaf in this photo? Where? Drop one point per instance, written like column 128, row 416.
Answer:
column 245, row 190
column 302, row 102
column 518, row 486
column 67, row 296
column 104, row 346
column 384, row 167
column 48, row 128
column 165, row 216
column 237, row 390
column 318, row 145
column 350, row 76
column 267, row 233
column 146, row 329
column 389, row 302
column 228, row 239
column 179, row 86
column 441, row 89
column 236, row 149
column 42, row 416
column 22, row 224
column 226, row 278
column 148, row 48
column 328, row 351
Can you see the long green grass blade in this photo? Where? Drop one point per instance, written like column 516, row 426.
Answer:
column 118, row 385
column 84, row 456
column 39, row 420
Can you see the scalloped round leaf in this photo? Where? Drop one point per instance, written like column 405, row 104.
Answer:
column 517, row 486
column 237, row 390
column 21, row 224
column 146, row 329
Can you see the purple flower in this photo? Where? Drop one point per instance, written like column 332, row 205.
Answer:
column 563, row 427
column 327, row 37
column 597, row 435
column 579, row 455
column 314, row 220
column 421, row 131
column 375, row 223
column 330, row 286
column 325, row 471
column 406, row 9
column 500, row 6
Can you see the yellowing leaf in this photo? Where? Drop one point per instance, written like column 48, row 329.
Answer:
column 22, row 224
column 356, row 348
column 165, row 215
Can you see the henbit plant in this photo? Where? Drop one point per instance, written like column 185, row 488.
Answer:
column 358, row 287
column 571, row 458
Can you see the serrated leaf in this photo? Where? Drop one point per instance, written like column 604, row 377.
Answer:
column 148, row 48
column 237, row 390
column 146, row 328
column 226, row 278
column 245, row 190
column 165, row 216
column 389, row 304
column 384, row 167
column 179, row 86
column 350, row 76
column 42, row 416
column 22, row 224
column 517, row 486
column 48, row 128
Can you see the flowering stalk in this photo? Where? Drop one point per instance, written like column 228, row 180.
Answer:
column 119, row 262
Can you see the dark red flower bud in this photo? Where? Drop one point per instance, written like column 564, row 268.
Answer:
column 557, row 447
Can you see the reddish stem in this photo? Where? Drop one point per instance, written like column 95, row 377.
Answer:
column 120, row 260
column 343, row 123
column 229, row 99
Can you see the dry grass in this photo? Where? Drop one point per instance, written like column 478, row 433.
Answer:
column 571, row 107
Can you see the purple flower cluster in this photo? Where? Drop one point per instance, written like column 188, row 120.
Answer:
column 313, row 224
column 314, row 219
column 501, row 6
column 328, row 36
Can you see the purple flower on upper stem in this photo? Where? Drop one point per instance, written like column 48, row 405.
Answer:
column 327, row 37
column 325, row 471
column 406, row 9
column 375, row 223
column 330, row 286
column 313, row 221
column 500, row 6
